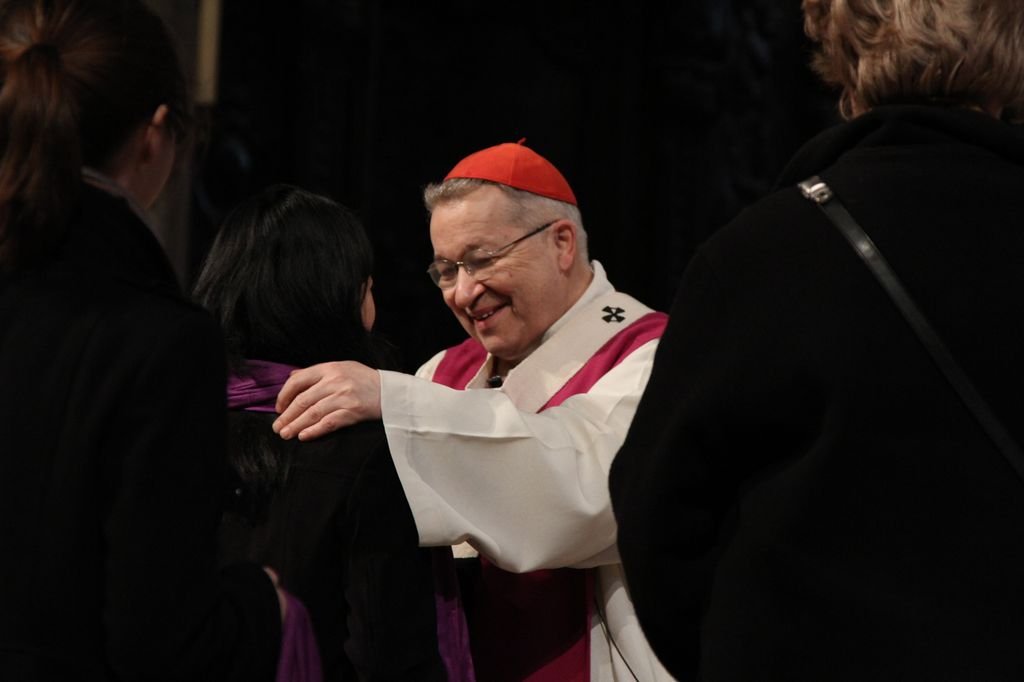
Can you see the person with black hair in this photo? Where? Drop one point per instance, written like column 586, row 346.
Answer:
column 289, row 279
column 112, row 435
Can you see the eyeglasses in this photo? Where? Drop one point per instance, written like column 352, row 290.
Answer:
column 444, row 272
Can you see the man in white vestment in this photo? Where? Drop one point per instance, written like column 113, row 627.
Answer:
column 505, row 441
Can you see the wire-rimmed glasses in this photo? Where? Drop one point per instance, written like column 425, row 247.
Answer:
column 475, row 262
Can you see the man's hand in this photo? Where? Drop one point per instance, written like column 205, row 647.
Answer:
column 323, row 398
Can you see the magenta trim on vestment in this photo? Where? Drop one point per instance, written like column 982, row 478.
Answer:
column 646, row 329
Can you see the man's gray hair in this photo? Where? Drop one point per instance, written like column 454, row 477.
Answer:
column 528, row 209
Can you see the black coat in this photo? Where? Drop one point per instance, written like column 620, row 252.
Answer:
column 343, row 540
column 802, row 496
column 111, row 473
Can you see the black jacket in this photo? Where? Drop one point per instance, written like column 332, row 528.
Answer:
column 802, row 496
column 111, row 473
column 342, row 538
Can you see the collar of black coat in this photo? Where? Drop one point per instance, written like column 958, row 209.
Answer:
column 906, row 125
column 106, row 237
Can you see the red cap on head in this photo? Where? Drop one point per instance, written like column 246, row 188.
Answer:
column 515, row 165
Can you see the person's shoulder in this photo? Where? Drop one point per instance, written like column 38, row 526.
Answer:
column 155, row 306
column 363, row 434
column 769, row 216
column 161, row 321
column 113, row 314
column 130, row 309
column 343, row 452
column 113, row 262
column 144, row 337
column 768, row 228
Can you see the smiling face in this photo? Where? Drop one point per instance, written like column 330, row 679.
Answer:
column 509, row 307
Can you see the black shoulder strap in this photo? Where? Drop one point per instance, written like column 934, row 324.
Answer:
column 815, row 189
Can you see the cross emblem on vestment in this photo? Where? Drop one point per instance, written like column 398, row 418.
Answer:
column 614, row 314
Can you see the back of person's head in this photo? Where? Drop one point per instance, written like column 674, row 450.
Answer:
column 78, row 78
column 286, row 277
column 951, row 52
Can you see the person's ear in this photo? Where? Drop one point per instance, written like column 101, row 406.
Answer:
column 368, row 311
column 145, row 160
column 157, row 136
column 156, row 157
column 566, row 243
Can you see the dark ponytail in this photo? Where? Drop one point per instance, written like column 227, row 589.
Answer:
column 77, row 78
column 41, row 156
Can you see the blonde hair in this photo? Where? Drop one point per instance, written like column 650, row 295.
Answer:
column 959, row 52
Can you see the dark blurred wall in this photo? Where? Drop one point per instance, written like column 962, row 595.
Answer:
column 666, row 117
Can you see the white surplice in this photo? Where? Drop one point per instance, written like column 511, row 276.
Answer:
column 529, row 490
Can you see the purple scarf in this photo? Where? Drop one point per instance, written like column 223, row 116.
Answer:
column 257, row 384
column 255, row 389
column 300, row 659
column 452, row 631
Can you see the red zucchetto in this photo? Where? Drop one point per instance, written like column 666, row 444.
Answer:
column 515, row 165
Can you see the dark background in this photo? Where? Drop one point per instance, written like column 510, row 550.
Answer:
column 667, row 118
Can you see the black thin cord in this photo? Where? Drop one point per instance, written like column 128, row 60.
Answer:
column 608, row 636
column 817, row 190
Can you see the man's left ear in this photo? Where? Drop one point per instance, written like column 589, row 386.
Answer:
column 565, row 241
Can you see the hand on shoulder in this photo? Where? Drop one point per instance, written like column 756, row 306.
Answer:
column 323, row 398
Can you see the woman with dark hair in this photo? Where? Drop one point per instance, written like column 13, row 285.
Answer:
column 289, row 280
column 803, row 494
column 112, row 455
